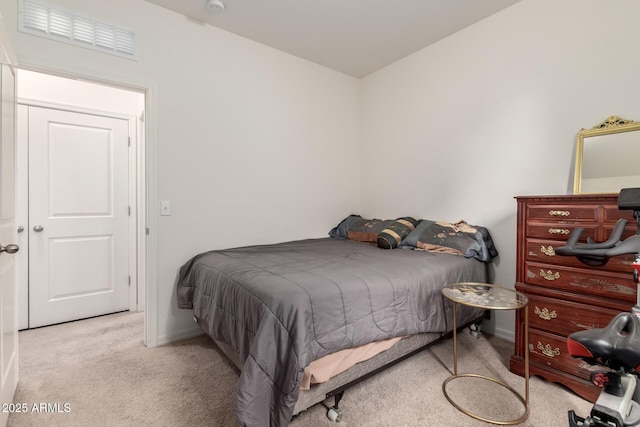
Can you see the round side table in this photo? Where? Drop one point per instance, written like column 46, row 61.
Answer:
column 488, row 297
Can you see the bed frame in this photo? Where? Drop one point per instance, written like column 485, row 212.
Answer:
column 338, row 384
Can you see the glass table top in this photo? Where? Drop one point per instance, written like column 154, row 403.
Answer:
column 485, row 295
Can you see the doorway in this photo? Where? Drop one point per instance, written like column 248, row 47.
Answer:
column 78, row 177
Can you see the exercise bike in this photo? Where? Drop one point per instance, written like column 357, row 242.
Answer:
column 616, row 346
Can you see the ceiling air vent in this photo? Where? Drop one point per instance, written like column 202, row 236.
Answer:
column 55, row 24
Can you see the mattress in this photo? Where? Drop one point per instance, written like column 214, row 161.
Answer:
column 280, row 307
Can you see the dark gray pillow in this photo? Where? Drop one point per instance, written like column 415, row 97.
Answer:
column 354, row 227
column 341, row 231
column 411, row 241
column 459, row 238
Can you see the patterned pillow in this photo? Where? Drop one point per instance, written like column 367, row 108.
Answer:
column 390, row 237
column 367, row 230
column 341, row 231
column 359, row 229
column 459, row 238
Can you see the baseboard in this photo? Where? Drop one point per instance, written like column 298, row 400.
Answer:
column 504, row 334
column 180, row 335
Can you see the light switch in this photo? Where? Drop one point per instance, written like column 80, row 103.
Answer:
column 165, row 208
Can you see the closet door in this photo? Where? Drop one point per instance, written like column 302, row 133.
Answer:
column 78, row 216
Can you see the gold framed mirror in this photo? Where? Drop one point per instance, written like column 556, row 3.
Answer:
column 607, row 157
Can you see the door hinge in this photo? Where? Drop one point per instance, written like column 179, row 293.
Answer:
column 129, row 280
column 129, row 210
column 129, row 142
column 147, row 230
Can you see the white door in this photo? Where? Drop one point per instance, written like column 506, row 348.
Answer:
column 8, row 232
column 78, row 216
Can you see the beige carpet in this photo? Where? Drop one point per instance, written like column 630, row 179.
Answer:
column 103, row 373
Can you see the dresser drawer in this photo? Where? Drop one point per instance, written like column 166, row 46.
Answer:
column 562, row 212
column 612, row 214
column 566, row 317
column 629, row 230
column 540, row 250
column 582, row 281
column 551, row 350
column 559, row 231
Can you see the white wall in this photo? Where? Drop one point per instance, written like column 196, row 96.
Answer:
column 458, row 129
column 253, row 145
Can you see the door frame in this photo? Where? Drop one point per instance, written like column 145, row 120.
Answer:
column 9, row 376
column 136, row 289
column 146, row 191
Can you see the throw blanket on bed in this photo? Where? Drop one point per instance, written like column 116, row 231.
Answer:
column 282, row 306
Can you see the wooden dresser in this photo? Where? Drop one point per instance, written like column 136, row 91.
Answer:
column 564, row 294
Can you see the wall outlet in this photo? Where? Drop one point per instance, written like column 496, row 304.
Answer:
column 165, row 208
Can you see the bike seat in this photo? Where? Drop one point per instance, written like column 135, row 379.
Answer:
column 617, row 344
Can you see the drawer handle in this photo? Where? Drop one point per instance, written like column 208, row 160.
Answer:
column 545, row 314
column 548, row 251
column 562, row 231
column 559, row 213
column 549, row 275
column 548, row 351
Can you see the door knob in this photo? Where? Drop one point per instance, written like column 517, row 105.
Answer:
column 38, row 228
column 10, row 249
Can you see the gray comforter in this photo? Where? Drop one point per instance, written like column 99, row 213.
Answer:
column 282, row 306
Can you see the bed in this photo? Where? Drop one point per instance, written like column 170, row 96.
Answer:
column 274, row 309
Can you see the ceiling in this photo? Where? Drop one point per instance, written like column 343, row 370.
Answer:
column 356, row 37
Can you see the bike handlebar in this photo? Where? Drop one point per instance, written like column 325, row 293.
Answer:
column 593, row 253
